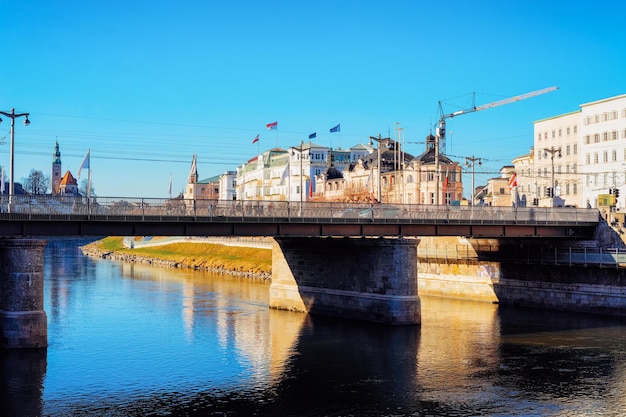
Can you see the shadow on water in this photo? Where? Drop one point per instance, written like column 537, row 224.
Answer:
column 22, row 373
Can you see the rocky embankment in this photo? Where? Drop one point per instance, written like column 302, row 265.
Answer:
column 94, row 251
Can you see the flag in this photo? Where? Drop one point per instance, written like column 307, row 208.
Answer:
column 169, row 190
column 272, row 126
column 335, row 129
column 2, row 181
column 193, row 172
column 310, row 187
column 285, row 174
column 446, row 182
column 84, row 164
column 313, row 135
column 513, row 181
column 255, row 140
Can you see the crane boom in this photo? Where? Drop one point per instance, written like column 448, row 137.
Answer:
column 441, row 130
column 440, row 137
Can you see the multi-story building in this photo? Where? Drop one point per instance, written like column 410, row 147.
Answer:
column 555, row 179
column 525, row 178
column 603, row 148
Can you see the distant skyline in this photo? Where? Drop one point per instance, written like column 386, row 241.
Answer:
column 146, row 85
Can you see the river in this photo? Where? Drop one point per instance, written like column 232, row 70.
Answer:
column 136, row 340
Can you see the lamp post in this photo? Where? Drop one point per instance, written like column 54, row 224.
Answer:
column 13, row 116
column 471, row 160
column 552, row 150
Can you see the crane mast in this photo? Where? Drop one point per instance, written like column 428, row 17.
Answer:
column 440, row 136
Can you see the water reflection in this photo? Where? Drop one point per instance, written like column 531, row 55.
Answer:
column 131, row 339
column 21, row 381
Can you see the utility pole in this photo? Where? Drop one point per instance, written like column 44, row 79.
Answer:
column 472, row 160
column 13, row 116
column 552, row 150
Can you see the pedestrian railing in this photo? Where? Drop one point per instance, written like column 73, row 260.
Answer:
column 35, row 207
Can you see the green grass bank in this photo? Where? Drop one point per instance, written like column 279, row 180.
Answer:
column 238, row 260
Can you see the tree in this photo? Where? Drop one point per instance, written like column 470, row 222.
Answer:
column 37, row 182
column 83, row 189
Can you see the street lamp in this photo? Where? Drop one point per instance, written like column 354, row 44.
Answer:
column 471, row 160
column 552, row 150
column 13, row 116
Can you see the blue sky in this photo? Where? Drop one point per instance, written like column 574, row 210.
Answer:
column 147, row 84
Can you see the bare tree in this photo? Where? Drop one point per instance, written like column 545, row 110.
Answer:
column 83, row 189
column 37, row 182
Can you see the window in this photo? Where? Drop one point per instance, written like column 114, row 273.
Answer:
column 501, row 190
column 575, row 129
column 605, row 136
column 596, row 138
column 568, row 130
column 539, row 136
column 567, row 149
column 614, row 155
column 614, row 115
column 560, row 132
column 587, row 139
column 587, row 159
column 574, row 189
column 567, row 189
column 575, row 148
column 574, row 167
column 596, row 118
column 595, row 157
column 605, row 156
column 605, row 117
column 614, row 135
column 553, row 134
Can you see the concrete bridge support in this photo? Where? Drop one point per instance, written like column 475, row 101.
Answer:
column 23, row 321
column 359, row 278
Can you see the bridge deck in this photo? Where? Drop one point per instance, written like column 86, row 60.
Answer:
column 102, row 216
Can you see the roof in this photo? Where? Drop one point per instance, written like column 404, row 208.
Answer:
column 68, row 179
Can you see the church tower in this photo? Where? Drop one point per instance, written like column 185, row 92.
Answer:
column 56, row 176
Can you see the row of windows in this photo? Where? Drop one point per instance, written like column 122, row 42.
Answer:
column 568, row 131
column 604, row 117
column 613, row 135
column 605, row 157
column 601, row 179
column 569, row 150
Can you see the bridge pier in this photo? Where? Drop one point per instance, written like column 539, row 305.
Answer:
column 359, row 278
column 23, row 321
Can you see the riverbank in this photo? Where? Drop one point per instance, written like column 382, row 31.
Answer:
column 242, row 261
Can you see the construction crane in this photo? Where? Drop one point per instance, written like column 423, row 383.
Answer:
column 440, row 136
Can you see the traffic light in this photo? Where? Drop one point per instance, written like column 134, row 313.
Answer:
column 549, row 192
column 535, row 201
column 616, row 192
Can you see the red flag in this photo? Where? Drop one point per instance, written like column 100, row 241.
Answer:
column 513, row 181
column 272, row 126
column 446, row 182
column 311, row 188
column 255, row 140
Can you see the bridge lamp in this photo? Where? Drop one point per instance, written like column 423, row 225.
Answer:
column 12, row 115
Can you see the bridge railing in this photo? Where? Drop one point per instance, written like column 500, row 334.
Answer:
column 557, row 255
column 35, row 207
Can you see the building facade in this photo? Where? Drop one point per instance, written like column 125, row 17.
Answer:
column 603, row 149
column 555, row 179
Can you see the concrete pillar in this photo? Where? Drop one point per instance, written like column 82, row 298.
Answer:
column 23, row 321
column 366, row 279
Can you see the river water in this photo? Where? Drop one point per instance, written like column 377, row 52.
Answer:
column 135, row 340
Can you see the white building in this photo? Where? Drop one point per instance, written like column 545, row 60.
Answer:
column 556, row 158
column 603, row 148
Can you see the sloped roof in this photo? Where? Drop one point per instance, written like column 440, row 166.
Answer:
column 68, row 179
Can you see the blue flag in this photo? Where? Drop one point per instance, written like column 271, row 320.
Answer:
column 313, row 135
column 335, row 129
